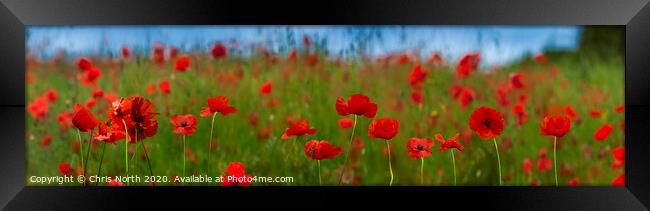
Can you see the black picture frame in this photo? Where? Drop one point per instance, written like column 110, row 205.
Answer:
column 15, row 15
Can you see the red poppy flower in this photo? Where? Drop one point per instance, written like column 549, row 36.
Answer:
column 65, row 169
column 619, row 108
column 218, row 104
column 219, row 51
column 357, row 104
column 38, row 108
column 568, row 110
column 45, row 141
column 319, row 150
column 306, row 41
column 312, row 59
column 540, row 59
column 236, row 175
column 137, row 113
column 164, row 87
column 184, row 124
column 51, row 95
column 64, row 120
column 403, row 59
column 574, row 182
column 173, row 52
column 486, row 122
column 544, row 164
column 419, row 147
column 417, row 76
column 619, row 157
column 416, row 96
column 619, row 180
column 98, row 93
column 84, row 63
column 435, row 59
column 384, row 128
column 91, row 102
column 158, row 53
column 449, row 143
column 555, row 125
column 83, row 119
column 264, row 133
column 528, row 167
column 520, row 112
column 516, row 80
column 345, row 123
column 114, row 182
column 595, row 113
column 126, row 52
column 293, row 55
column 466, row 64
column 298, row 128
column 266, row 88
column 464, row 94
column 89, row 77
column 182, row 63
column 109, row 133
column 603, row 132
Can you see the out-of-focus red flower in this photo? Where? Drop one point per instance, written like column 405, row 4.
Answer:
column 595, row 113
column 357, row 104
column 84, row 63
column 182, row 63
column 319, row 150
column 83, row 119
column 158, row 53
column 264, row 133
column 64, row 119
column 109, row 132
column 540, row 59
column 98, row 93
column 219, row 51
column 555, row 125
column 236, row 175
column 568, row 110
column 38, row 108
column 114, row 182
column 417, row 76
column 312, row 59
column 89, row 77
column 403, row 59
column 184, row 124
column 266, row 88
column 65, row 169
column 603, row 132
column 345, row 123
column 464, row 94
column 619, row 108
column 419, row 147
column 467, row 63
column 164, row 87
column 126, row 52
column 298, row 128
column 519, row 111
column 273, row 102
column 306, row 40
column 91, row 102
column 416, row 96
column 435, row 59
column 218, row 104
column 619, row 157
column 574, row 182
column 449, row 143
column 51, row 95
column 528, row 167
column 486, row 122
column 384, row 128
column 517, row 80
column 543, row 162
column 45, row 141
column 293, row 55
column 151, row 89
column 619, row 180
column 173, row 52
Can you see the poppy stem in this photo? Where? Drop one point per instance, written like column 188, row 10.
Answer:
column 390, row 167
column 207, row 165
column 496, row 148
column 555, row 158
column 347, row 155
column 319, row 178
column 81, row 149
column 101, row 160
column 453, row 161
column 146, row 155
column 422, row 170
column 87, row 153
column 183, row 154
column 126, row 150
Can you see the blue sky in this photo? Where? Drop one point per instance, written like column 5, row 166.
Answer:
column 497, row 44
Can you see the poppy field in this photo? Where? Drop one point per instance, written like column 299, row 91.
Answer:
column 397, row 119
